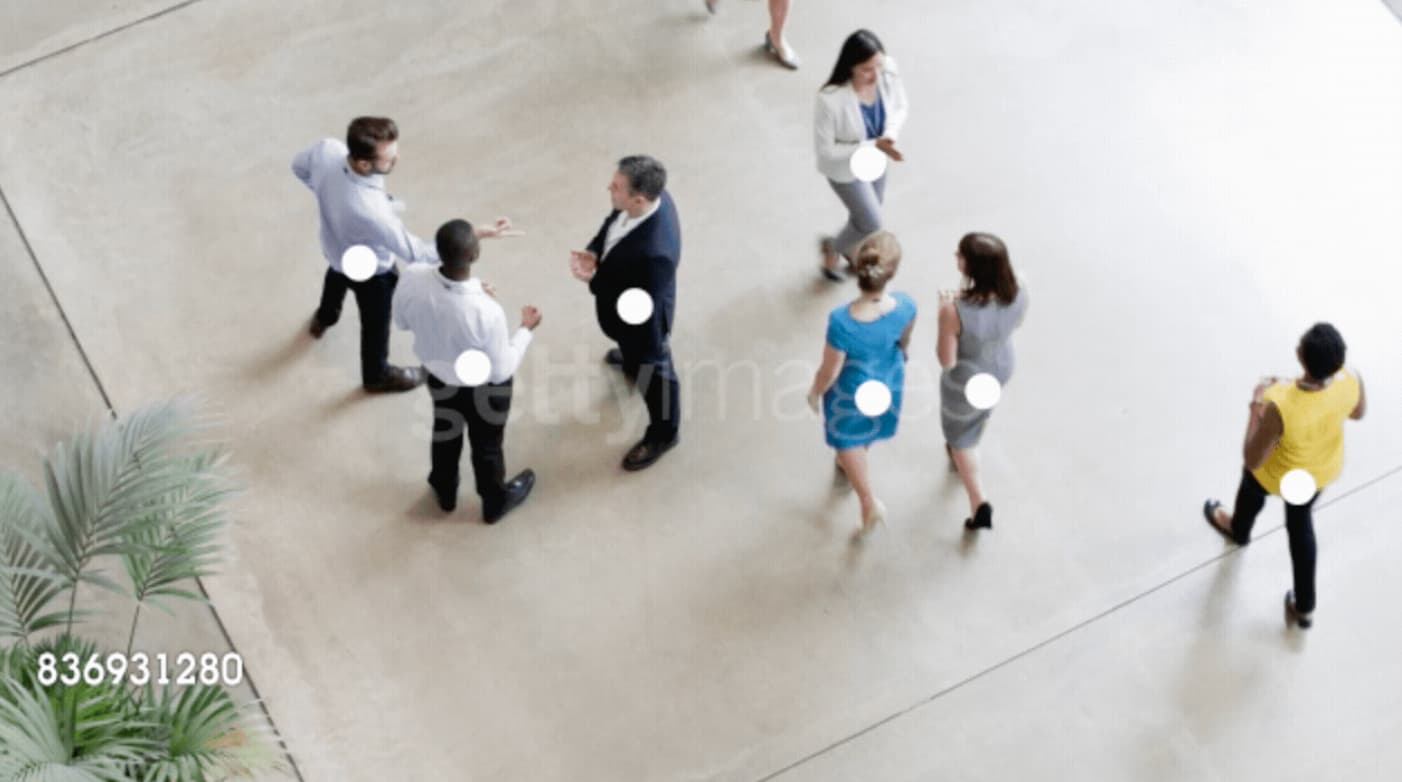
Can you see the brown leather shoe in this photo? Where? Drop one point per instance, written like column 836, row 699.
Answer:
column 398, row 379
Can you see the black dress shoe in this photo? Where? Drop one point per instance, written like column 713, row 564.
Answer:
column 316, row 328
column 614, row 358
column 448, row 501
column 983, row 518
column 645, row 453
column 398, row 379
column 516, row 492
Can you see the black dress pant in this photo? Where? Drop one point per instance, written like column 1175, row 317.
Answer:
column 373, row 297
column 480, row 412
column 1299, row 525
column 657, row 381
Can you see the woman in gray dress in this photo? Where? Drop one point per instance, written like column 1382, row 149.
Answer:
column 975, row 338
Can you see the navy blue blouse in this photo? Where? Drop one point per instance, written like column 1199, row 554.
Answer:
column 875, row 117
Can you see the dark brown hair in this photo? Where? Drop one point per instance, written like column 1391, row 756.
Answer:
column 857, row 49
column 989, row 271
column 365, row 133
column 878, row 257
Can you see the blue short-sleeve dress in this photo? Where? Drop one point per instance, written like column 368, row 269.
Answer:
column 873, row 353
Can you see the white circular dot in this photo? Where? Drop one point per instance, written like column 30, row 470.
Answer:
column 868, row 163
column 359, row 262
column 873, row 398
column 983, row 391
column 1297, row 486
column 634, row 306
column 473, row 368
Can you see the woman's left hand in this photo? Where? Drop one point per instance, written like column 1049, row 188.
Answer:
column 889, row 147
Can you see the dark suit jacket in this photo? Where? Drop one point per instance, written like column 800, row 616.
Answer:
column 646, row 258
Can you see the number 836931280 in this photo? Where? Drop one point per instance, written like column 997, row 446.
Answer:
column 141, row 669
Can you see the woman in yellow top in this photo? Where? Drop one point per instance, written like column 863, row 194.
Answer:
column 1295, row 425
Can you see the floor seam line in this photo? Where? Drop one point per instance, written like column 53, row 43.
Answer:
column 92, row 39
column 1083, row 624
column 112, row 413
column 53, row 297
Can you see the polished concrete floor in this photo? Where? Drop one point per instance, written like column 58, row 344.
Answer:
column 1185, row 188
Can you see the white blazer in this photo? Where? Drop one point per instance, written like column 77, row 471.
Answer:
column 838, row 128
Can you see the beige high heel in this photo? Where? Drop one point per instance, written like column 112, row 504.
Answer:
column 877, row 517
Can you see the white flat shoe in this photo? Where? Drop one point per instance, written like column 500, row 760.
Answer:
column 786, row 56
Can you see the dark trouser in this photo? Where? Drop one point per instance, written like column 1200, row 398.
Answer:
column 482, row 411
column 1299, row 525
column 657, row 382
column 373, row 297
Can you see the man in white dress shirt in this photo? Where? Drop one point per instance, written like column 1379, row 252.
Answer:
column 348, row 180
column 462, row 338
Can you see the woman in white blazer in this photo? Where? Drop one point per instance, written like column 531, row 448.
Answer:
column 862, row 105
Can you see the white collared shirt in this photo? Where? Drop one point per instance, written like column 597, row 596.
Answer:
column 356, row 209
column 449, row 318
column 623, row 225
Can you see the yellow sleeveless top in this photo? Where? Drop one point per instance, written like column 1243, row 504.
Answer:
column 1313, row 439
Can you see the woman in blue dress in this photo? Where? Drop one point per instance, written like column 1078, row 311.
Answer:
column 860, row 382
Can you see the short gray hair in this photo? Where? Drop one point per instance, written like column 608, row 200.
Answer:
column 646, row 175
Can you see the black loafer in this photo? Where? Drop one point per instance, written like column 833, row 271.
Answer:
column 316, row 328
column 398, row 379
column 645, row 454
column 983, row 518
column 516, row 493
column 448, row 501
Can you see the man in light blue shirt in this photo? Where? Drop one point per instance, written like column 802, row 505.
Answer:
column 361, row 235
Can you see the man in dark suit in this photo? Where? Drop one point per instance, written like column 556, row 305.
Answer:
column 631, row 268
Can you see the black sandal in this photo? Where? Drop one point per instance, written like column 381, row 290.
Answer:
column 828, row 246
column 1293, row 615
column 1209, row 512
column 983, row 518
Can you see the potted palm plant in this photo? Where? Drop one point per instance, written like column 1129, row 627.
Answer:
column 148, row 493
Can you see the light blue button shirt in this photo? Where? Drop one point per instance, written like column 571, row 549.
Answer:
column 356, row 209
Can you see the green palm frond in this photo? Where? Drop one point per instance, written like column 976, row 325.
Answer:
column 180, row 542
column 77, row 733
column 107, row 484
column 28, row 580
column 208, row 736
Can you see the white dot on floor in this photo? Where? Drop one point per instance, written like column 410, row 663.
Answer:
column 983, row 391
column 1297, row 486
column 473, row 368
column 635, row 306
column 873, row 398
column 359, row 262
column 868, row 163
